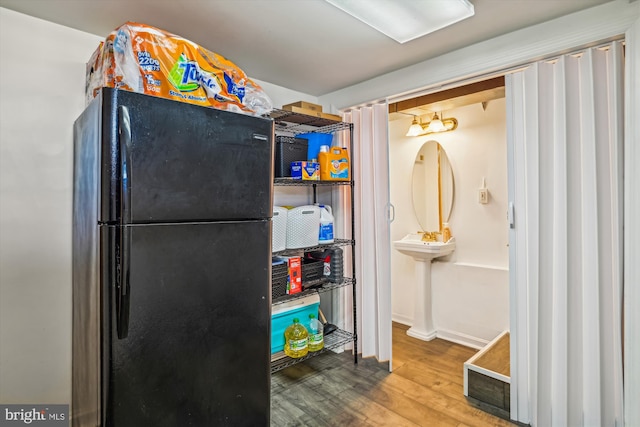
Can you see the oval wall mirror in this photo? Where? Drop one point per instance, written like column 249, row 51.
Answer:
column 432, row 186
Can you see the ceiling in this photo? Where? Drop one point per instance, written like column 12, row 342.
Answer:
column 304, row 45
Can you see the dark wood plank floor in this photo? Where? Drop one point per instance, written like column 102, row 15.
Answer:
column 425, row 389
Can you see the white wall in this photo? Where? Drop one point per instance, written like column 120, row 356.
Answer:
column 42, row 87
column 470, row 287
column 281, row 96
column 42, row 92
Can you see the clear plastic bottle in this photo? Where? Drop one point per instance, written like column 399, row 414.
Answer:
column 296, row 340
column 316, row 338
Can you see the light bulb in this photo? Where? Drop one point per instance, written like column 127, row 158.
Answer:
column 436, row 124
column 415, row 129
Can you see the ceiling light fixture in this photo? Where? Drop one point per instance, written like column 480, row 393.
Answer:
column 436, row 125
column 404, row 21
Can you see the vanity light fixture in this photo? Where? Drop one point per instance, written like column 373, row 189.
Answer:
column 436, row 125
column 405, row 20
column 416, row 128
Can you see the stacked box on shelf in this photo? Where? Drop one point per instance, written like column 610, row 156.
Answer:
column 279, row 277
column 289, row 149
column 312, row 269
column 310, row 109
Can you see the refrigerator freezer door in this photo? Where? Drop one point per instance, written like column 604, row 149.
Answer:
column 196, row 351
column 168, row 161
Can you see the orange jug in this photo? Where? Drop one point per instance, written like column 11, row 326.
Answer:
column 334, row 164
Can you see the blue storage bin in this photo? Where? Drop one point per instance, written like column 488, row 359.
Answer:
column 316, row 139
column 282, row 316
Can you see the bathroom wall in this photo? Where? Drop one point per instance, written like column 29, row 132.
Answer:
column 470, row 287
column 43, row 70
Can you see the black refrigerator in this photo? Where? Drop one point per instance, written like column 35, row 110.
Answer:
column 172, row 209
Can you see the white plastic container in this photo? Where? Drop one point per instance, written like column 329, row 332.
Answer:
column 326, row 225
column 279, row 232
column 302, row 226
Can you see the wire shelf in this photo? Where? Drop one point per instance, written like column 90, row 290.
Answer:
column 332, row 341
column 305, row 183
column 297, row 123
column 298, row 251
column 314, row 286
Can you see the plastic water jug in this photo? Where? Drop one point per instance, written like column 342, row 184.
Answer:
column 316, row 331
column 326, row 225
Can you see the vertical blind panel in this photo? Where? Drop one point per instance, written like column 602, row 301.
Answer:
column 568, row 138
column 590, row 268
column 367, row 238
column 606, row 69
column 574, row 245
column 615, row 69
column 520, row 368
column 558, row 188
column 531, row 161
column 603, row 135
column 546, row 90
column 379, row 140
column 372, row 235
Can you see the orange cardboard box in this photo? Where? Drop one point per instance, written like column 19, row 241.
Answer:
column 295, row 275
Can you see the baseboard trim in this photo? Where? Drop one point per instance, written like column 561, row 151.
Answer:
column 452, row 336
column 462, row 339
column 398, row 318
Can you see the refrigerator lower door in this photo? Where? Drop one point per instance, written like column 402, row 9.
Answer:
column 196, row 351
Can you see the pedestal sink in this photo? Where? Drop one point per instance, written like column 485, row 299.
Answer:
column 423, row 253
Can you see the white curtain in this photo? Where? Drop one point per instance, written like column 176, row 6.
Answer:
column 371, row 201
column 567, row 136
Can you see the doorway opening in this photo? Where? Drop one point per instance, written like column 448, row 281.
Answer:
column 469, row 293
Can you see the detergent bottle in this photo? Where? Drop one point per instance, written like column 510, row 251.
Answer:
column 334, row 164
column 326, row 225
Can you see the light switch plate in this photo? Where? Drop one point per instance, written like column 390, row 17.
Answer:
column 483, row 196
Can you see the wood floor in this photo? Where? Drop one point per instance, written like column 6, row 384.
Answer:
column 425, row 389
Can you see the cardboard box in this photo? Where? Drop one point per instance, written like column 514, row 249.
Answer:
column 308, row 112
column 305, row 170
column 295, row 275
column 303, row 104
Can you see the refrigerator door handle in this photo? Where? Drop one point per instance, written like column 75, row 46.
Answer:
column 124, row 129
column 123, row 289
